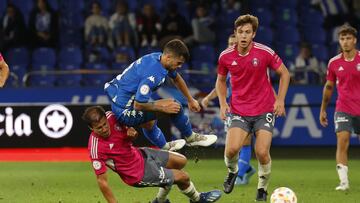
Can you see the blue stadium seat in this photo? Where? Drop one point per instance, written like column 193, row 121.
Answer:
column 264, row 35
column 320, row 51
column 314, row 34
column 133, row 5
column 20, row 70
column 44, row 56
column 288, row 34
column 260, row 3
column 70, row 56
column 287, row 52
column 264, row 14
column 227, row 18
column 97, row 55
column 223, row 34
column 119, row 66
column 147, row 50
column 3, row 5
column 285, row 17
column 310, row 16
column 18, row 56
column 203, row 75
column 71, row 6
column 286, row 3
column 71, row 37
column 124, row 54
column 71, row 80
column 96, row 79
column 41, row 80
column 203, row 53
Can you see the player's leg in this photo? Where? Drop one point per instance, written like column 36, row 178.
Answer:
column 183, row 124
column 343, row 140
column 154, row 134
column 264, row 126
column 164, row 169
column 147, row 121
column 343, row 128
column 234, row 140
column 245, row 169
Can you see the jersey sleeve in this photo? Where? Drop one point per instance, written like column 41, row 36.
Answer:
column 172, row 74
column 145, row 89
column 222, row 69
column 274, row 61
column 98, row 166
column 330, row 74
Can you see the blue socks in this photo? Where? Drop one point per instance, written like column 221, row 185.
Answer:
column 155, row 136
column 244, row 160
column 182, row 122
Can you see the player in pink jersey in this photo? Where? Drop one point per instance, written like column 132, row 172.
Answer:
column 344, row 72
column 110, row 145
column 253, row 103
column 4, row 71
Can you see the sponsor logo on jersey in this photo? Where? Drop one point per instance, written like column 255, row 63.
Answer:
column 111, row 145
column 234, row 63
column 340, row 68
column 152, row 79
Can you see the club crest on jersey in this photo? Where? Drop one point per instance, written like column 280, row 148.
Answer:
column 358, row 67
column 255, row 62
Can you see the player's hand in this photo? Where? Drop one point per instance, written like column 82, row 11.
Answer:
column 205, row 102
column 279, row 108
column 132, row 133
column 194, row 105
column 224, row 110
column 168, row 106
column 323, row 118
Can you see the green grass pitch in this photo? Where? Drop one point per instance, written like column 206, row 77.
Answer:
column 35, row 182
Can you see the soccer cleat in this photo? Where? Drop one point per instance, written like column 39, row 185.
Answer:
column 343, row 187
column 174, row 145
column 229, row 182
column 197, row 139
column 261, row 195
column 208, row 197
column 157, row 201
column 245, row 179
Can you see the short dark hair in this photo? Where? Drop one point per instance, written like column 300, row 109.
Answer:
column 244, row 19
column 347, row 29
column 178, row 48
column 93, row 114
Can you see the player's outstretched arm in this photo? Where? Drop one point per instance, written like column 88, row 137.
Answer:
column 4, row 72
column 212, row 95
column 327, row 92
column 279, row 106
column 105, row 188
column 181, row 85
column 221, row 91
column 162, row 105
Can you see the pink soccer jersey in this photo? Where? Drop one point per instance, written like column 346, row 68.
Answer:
column 346, row 75
column 252, row 93
column 1, row 57
column 117, row 153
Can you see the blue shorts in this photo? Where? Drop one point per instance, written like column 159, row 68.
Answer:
column 131, row 117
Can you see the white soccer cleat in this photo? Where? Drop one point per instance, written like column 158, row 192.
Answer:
column 197, row 139
column 342, row 187
column 174, row 145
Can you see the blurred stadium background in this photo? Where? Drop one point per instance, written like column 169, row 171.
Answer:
column 61, row 52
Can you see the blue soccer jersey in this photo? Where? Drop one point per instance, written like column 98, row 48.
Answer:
column 138, row 81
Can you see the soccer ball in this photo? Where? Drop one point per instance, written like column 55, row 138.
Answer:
column 283, row 195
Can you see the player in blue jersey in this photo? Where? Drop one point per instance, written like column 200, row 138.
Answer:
column 245, row 169
column 130, row 93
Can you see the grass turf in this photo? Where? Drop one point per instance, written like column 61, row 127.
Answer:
column 35, row 182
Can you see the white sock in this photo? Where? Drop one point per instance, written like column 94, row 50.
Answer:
column 343, row 173
column 264, row 175
column 191, row 192
column 232, row 164
column 162, row 194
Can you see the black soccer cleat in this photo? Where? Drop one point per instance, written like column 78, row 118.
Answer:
column 229, row 182
column 261, row 195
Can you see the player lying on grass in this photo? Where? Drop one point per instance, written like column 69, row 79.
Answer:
column 110, row 145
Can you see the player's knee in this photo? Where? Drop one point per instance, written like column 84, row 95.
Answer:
column 182, row 178
column 178, row 161
column 232, row 152
column 262, row 153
